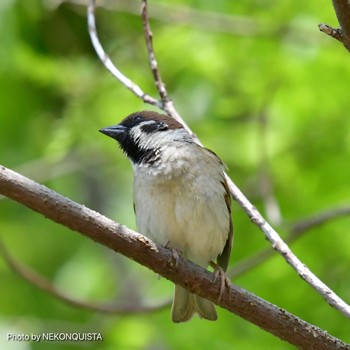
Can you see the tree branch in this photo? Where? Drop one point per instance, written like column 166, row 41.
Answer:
column 342, row 34
column 334, row 33
column 167, row 105
column 109, row 64
column 151, row 55
column 159, row 259
column 296, row 230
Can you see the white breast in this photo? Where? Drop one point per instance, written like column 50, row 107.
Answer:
column 180, row 202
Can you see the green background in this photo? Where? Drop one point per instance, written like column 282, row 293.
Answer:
column 270, row 96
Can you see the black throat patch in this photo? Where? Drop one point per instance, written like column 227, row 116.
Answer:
column 137, row 154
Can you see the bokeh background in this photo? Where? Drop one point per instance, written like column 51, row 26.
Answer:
column 256, row 81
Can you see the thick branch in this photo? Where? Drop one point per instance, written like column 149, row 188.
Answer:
column 159, row 259
column 342, row 10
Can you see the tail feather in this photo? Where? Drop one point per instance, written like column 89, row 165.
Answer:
column 182, row 309
column 186, row 304
column 205, row 308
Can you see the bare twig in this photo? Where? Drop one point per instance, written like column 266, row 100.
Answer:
column 276, row 241
column 46, row 285
column 296, row 230
column 342, row 10
column 159, row 259
column 334, row 33
column 151, row 55
column 166, row 102
column 108, row 63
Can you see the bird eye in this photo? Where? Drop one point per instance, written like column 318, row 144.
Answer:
column 153, row 126
column 138, row 119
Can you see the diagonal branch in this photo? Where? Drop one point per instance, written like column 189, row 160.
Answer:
column 276, row 241
column 296, row 230
column 159, row 259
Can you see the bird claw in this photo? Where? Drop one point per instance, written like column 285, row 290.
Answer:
column 224, row 280
column 176, row 252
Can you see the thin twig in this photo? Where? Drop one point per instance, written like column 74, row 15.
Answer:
column 159, row 259
column 334, row 33
column 108, row 63
column 151, row 55
column 167, row 103
column 297, row 230
column 276, row 241
column 46, row 285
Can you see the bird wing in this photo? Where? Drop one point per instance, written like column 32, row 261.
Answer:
column 224, row 257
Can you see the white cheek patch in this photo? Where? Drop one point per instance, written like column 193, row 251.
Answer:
column 138, row 135
column 144, row 140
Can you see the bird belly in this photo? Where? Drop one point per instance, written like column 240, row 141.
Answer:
column 194, row 220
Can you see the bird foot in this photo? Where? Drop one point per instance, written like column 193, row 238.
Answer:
column 219, row 273
column 176, row 252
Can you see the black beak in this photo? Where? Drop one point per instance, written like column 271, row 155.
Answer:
column 117, row 132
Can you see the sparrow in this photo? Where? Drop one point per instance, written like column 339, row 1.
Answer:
column 181, row 198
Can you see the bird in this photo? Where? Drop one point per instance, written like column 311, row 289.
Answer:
column 181, row 198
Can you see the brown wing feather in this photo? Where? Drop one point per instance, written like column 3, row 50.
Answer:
column 224, row 257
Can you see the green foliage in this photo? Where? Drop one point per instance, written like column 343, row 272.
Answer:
column 273, row 103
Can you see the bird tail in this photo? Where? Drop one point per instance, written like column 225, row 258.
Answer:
column 186, row 304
